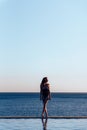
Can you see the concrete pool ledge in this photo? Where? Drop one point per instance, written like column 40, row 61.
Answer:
column 49, row 117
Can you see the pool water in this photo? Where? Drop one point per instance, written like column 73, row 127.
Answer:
column 38, row 124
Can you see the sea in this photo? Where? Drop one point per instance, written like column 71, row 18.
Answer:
column 29, row 104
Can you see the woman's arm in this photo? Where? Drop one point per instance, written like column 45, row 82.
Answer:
column 49, row 95
column 49, row 92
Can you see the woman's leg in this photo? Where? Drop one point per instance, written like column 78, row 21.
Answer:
column 45, row 108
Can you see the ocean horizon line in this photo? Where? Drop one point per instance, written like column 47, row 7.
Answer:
column 51, row 92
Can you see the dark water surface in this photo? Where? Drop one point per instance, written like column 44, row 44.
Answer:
column 29, row 104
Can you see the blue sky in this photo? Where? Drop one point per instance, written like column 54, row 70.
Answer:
column 43, row 38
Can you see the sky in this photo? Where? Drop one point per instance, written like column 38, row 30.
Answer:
column 43, row 38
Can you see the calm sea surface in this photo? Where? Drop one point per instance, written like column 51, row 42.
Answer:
column 29, row 104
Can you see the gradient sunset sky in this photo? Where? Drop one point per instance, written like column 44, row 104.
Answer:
column 43, row 38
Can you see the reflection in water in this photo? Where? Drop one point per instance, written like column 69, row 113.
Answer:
column 44, row 123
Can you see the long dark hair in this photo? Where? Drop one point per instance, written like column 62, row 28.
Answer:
column 44, row 80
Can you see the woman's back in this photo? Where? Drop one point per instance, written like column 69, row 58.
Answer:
column 45, row 89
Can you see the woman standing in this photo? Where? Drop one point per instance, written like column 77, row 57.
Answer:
column 45, row 95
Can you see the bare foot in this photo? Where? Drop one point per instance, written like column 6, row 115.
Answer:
column 46, row 115
column 42, row 116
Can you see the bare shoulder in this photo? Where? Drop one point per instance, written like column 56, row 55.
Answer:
column 48, row 85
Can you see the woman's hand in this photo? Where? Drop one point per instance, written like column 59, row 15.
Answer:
column 49, row 97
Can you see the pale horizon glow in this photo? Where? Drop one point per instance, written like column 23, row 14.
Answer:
column 43, row 38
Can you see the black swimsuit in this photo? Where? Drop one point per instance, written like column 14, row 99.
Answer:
column 45, row 93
